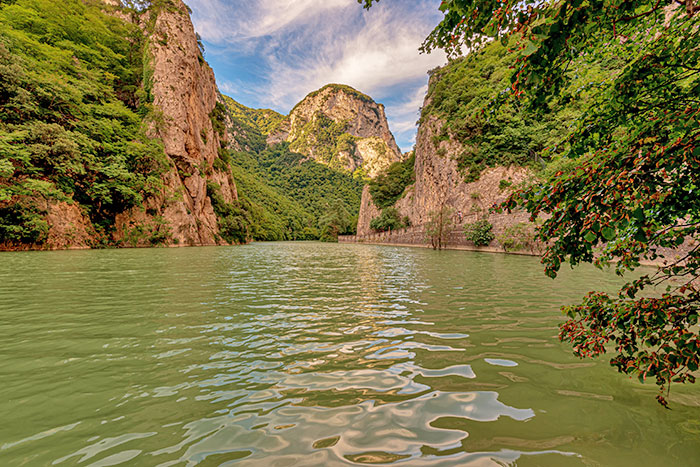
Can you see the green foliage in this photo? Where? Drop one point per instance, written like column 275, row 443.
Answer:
column 438, row 226
column 72, row 109
column 291, row 194
column 339, row 87
column 327, row 140
column 236, row 220
column 518, row 237
column 390, row 219
column 335, row 221
column 504, row 184
column 22, row 223
column 480, row 233
column 155, row 232
column 463, row 94
column 388, row 187
column 218, row 119
column 252, row 125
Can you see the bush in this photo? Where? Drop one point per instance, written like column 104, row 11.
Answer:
column 390, row 219
column 236, row 220
column 518, row 237
column 22, row 223
column 335, row 221
column 388, row 187
column 479, row 232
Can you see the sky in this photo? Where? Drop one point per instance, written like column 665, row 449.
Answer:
column 272, row 53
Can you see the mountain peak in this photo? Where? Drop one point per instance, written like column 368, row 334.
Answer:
column 341, row 127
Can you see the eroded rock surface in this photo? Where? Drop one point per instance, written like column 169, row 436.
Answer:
column 184, row 90
column 361, row 138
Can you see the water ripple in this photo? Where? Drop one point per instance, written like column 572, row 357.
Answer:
column 311, row 354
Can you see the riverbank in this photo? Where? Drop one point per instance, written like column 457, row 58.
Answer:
column 417, row 237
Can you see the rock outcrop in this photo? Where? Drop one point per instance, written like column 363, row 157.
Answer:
column 341, row 127
column 438, row 183
column 185, row 92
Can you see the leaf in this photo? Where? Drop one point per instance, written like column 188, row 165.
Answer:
column 530, row 48
column 608, row 233
column 590, row 236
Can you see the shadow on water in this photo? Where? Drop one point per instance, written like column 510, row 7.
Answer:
column 313, row 354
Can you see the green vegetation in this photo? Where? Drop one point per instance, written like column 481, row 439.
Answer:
column 633, row 159
column 518, row 237
column 335, row 221
column 327, row 140
column 236, row 220
column 390, row 219
column 438, row 226
column 252, row 125
column 463, row 95
column 480, row 233
column 74, row 104
column 285, row 196
column 387, row 188
column 339, row 87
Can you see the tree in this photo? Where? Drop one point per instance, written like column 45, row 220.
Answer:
column 438, row 226
column 634, row 162
column 389, row 186
column 389, row 219
column 335, row 221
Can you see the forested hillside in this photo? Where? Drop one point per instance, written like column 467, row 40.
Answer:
column 74, row 105
column 94, row 151
column 463, row 95
column 289, row 196
column 475, row 146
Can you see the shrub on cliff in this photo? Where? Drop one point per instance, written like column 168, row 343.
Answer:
column 390, row 219
column 236, row 220
column 388, row 187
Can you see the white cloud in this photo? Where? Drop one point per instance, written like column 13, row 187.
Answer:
column 301, row 45
column 378, row 54
column 221, row 21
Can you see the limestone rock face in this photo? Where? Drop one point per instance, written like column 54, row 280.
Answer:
column 69, row 227
column 184, row 90
column 439, row 183
column 359, row 135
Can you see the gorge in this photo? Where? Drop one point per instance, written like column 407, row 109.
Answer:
column 298, row 330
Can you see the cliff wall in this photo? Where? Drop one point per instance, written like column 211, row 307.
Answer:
column 184, row 90
column 439, row 182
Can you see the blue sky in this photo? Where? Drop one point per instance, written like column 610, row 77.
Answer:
column 272, row 53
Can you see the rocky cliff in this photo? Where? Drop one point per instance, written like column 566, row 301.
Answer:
column 340, row 127
column 439, row 182
column 132, row 159
column 184, row 90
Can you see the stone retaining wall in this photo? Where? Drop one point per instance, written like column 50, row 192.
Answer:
column 417, row 236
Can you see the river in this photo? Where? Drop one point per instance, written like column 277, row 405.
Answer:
column 314, row 354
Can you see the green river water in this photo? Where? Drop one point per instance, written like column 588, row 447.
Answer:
column 298, row 354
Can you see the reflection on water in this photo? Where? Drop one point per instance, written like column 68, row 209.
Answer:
column 312, row 354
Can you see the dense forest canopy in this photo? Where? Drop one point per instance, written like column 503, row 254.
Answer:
column 74, row 100
column 289, row 196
